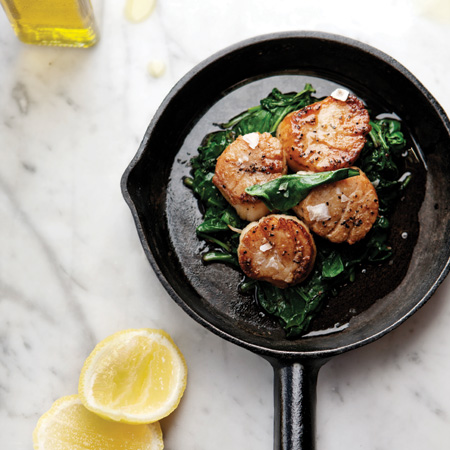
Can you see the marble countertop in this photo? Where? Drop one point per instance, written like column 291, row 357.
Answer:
column 72, row 270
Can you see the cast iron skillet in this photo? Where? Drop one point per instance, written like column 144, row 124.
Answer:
column 166, row 212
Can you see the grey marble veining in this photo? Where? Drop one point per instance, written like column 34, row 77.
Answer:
column 71, row 267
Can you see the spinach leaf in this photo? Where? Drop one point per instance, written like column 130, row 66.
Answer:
column 386, row 133
column 287, row 191
column 270, row 112
column 333, row 265
column 379, row 161
column 294, row 306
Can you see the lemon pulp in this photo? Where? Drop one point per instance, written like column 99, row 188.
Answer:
column 134, row 376
column 138, row 372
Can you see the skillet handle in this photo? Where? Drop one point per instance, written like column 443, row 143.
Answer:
column 295, row 404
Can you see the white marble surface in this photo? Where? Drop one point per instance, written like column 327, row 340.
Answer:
column 71, row 267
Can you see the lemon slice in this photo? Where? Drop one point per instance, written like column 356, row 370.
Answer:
column 134, row 376
column 68, row 425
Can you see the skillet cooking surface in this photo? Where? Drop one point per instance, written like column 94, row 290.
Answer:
column 167, row 213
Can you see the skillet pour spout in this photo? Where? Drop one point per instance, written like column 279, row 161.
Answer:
column 167, row 214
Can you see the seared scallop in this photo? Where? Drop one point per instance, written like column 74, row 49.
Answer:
column 251, row 159
column 278, row 249
column 343, row 211
column 326, row 135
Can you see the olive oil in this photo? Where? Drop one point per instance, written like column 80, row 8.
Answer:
column 67, row 23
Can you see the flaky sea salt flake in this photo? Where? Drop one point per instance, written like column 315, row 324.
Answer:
column 319, row 212
column 252, row 139
column 340, row 94
column 265, row 247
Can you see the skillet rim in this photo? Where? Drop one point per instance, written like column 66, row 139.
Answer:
column 268, row 352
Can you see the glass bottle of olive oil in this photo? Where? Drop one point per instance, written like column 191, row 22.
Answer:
column 66, row 23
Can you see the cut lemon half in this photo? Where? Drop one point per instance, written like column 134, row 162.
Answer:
column 134, row 376
column 68, row 425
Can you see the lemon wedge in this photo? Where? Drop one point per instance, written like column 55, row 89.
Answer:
column 134, row 376
column 68, row 425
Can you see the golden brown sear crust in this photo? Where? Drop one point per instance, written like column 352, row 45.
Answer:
column 278, row 249
column 251, row 159
column 326, row 135
column 343, row 211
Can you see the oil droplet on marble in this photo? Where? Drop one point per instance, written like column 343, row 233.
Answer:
column 139, row 10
